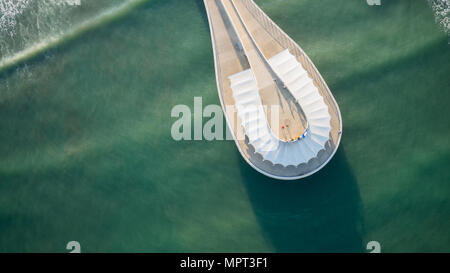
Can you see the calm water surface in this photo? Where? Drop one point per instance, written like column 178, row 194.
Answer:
column 86, row 152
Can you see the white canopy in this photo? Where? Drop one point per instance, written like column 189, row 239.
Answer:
column 254, row 120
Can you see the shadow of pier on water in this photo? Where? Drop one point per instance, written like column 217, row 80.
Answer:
column 320, row 213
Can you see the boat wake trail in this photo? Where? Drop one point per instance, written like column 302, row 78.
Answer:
column 29, row 27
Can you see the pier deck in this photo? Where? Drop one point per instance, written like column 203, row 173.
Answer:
column 232, row 22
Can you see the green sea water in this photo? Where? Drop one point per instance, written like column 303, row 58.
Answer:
column 86, row 152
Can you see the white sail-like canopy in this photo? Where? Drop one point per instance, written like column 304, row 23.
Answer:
column 254, row 120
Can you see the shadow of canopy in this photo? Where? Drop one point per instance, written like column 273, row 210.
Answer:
column 320, row 213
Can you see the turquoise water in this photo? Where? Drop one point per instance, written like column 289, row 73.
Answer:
column 86, row 152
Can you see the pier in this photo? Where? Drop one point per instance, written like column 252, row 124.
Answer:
column 257, row 64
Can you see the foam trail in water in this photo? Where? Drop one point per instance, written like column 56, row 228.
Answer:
column 442, row 13
column 28, row 27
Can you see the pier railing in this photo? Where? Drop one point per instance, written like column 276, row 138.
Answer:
column 273, row 29
column 285, row 41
